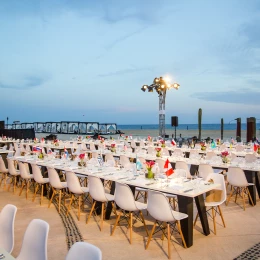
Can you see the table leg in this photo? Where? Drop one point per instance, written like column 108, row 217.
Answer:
column 202, row 214
column 186, row 206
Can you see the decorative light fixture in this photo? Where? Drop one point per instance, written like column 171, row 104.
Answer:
column 161, row 85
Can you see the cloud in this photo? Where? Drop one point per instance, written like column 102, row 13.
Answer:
column 28, row 82
column 123, row 72
column 240, row 96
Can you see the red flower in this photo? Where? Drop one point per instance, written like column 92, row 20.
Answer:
column 56, row 141
column 113, row 145
column 162, row 141
column 224, row 154
column 149, row 164
column 158, row 149
column 81, row 156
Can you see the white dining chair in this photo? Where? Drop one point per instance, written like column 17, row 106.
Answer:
column 160, row 209
column 39, row 180
column 58, row 187
column 26, row 178
column 239, row 184
column 84, row 251
column 124, row 199
column 77, row 192
column 13, row 173
column 7, row 217
column 214, row 206
column 250, row 158
column 34, row 244
column 183, row 165
column 98, row 194
column 125, row 162
column 3, row 172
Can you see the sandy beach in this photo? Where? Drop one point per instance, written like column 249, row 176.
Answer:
column 144, row 133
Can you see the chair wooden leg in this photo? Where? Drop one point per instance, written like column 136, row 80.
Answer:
column 21, row 190
column 9, row 186
column 41, row 194
column 59, row 199
column 102, row 216
column 195, row 221
column 91, row 211
column 131, row 226
column 182, row 237
column 230, row 195
column 14, row 184
column 27, row 188
column 236, row 189
column 214, row 220
column 117, row 219
column 249, row 195
column 243, row 197
column 220, row 212
column 68, row 209
column 150, row 236
column 36, row 189
column 169, row 240
column 142, row 217
column 53, row 193
column 79, row 207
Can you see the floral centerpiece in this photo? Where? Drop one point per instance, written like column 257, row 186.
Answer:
column 41, row 155
column 79, row 138
column 102, row 140
column 42, row 140
column 126, row 137
column 81, row 158
column 113, row 148
column 4, row 138
column 35, row 140
column 224, row 156
column 56, row 142
column 162, row 143
column 149, row 138
column 87, row 136
column 158, row 151
column 218, row 141
column 149, row 166
column 203, row 146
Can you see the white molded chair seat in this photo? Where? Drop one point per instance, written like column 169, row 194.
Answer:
column 40, row 181
column 3, row 171
column 98, row 194
column 160, row 209
column 214, row 206
column 124, row 199
column 239, row 185
column 26, row 178
column 7, row 217
column 13, row 172
column 57, row 185
column 76, row 190
column 84, row 251
column 35, row 241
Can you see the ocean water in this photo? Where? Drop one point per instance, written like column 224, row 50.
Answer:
column 184, row 127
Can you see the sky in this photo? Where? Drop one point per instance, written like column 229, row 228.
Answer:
column 87, row 60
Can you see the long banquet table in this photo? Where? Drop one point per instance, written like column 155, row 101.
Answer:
column 185, row 190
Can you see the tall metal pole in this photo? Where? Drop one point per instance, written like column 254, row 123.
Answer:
column 162, row 97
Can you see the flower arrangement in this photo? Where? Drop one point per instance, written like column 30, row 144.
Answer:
column 4, row 138
column 149, row 166
column 82, row 157
column 149, row 138
column 158, row 151
column 224, row 156
column 79, row 138
column 56, row 142
column 218, row 141
column 99, row 137
column 41, row 155
column 162, row 143
column 35, row 140
column 87, row 136
column 126, row 137
column 113, row 148
column 203, row 146
column 42, row 140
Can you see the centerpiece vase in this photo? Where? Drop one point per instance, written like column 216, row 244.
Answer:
column 150, row 174
column 225, row 160
column 158, row 154
column 258, row 150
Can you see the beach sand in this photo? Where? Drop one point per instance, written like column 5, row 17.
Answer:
column 154, row 133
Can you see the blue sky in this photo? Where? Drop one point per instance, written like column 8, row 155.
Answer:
column 87, row 60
